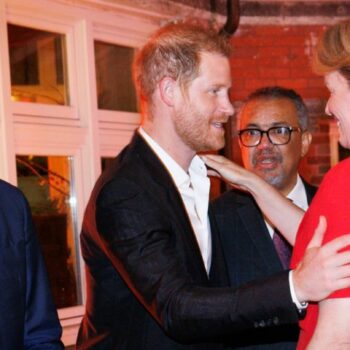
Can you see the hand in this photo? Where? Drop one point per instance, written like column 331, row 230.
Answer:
column 323, row 269
column 230, row 172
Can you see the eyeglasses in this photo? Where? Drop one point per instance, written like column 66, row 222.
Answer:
column 277, row 135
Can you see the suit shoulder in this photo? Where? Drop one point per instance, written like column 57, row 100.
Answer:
column 11, row 195
column 124, row 171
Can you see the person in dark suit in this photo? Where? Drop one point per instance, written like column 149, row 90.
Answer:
column 155, row 273
column 248, row 239
column 28, row 317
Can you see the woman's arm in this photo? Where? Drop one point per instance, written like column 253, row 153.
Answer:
column 333, row 326
column 277, row 208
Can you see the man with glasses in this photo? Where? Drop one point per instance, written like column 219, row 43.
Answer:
column 273, row 136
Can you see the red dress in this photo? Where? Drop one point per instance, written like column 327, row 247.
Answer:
column 332, row 200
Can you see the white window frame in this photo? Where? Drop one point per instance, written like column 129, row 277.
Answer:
column 79, row 130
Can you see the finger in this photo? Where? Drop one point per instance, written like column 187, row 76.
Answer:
column 317, row 238
column 339, row 259
column 337, row 244
column 342, row 283
column 214, row 166
column 212, row 172
column 209, row 161
column 342, row 272
column 214, row 158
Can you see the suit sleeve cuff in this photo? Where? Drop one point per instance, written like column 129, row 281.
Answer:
column 299, row 305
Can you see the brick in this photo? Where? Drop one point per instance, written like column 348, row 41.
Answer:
column 320, row 93
column 323, row 169
column 271, row 51
column 265, row 72
column 273, row 62
column 240, row 95
column 243, row 62
column 244, row 73
column 323, row 149
column 319, row 139
column 290, row 40
column 253, row 84
column 318, row 160
column 299, row 62
column 317, row 82
column 269, row 30
column 293, row 83
column 302, row 73
column 324, row 127
column 245, row 52
column 297, row 51
column 251, row 41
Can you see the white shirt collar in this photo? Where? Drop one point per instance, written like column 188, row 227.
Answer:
column 179, row 175
column 298, row 194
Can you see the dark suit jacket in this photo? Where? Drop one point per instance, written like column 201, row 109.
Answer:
column 147, row 287
column 28, row 318
column 250, row 255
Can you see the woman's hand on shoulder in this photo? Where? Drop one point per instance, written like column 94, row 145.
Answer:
column 230, row 172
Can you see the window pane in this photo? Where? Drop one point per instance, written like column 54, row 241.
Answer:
column 38, row 66
column 115, row 89
column 47, row 183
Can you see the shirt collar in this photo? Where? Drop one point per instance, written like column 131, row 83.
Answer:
column 298, row 194
column 197, row 167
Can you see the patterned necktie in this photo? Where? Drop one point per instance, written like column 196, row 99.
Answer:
column 283, row 248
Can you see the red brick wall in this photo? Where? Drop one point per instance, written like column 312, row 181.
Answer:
column 317, row 162
column 281, row 55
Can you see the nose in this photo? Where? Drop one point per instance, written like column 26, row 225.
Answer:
column 265, row 142
column 227, row 107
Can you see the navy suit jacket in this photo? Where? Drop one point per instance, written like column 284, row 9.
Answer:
column 147, row 287
column 28, row 317
column 250, row 255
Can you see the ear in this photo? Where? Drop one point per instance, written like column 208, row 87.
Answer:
column 166, row 90
column 306, row 139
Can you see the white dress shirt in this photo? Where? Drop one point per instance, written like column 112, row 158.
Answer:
column 194, row 188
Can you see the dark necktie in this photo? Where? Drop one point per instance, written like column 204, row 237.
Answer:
column 283, row 248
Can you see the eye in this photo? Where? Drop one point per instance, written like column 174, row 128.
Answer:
column 280, row 130
column 251, row 132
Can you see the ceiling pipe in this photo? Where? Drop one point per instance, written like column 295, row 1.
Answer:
column 232, row 20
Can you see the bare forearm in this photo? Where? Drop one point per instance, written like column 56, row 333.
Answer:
column 279, row 210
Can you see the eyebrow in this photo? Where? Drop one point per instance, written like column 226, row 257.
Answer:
column 278, row 123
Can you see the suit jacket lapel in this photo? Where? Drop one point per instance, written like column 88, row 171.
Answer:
column 218, row 272
column 255, row 226
column 310, row 191
column 258, row 231
column 170, row 196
